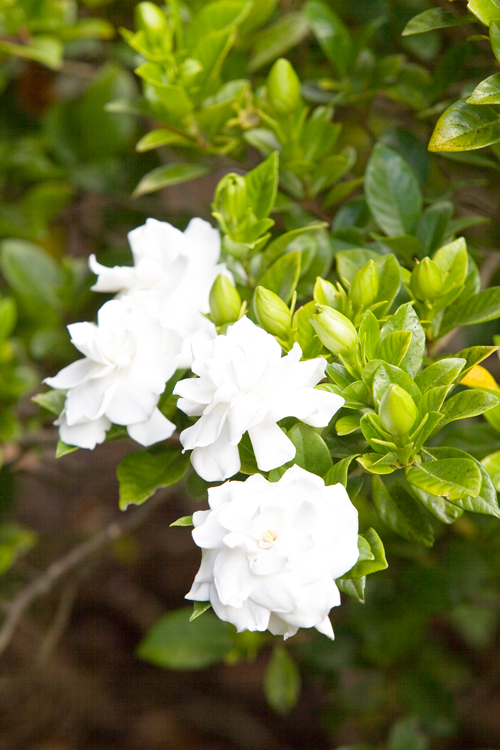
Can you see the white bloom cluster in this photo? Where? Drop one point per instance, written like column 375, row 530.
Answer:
column 271, row 552
column 245, row 384
column 143, row 336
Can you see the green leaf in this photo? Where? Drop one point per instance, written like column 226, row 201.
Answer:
column 455, row 478
column 347, row 425
column 46, row 50
column 406, row 319
column 385, row 375
column 479, row 308
column 312, row 452
column 405, row 735
column 394, row 346
column 441, row 373
column 392, row 192
column 213, row 17
column 435, row 18
column 15, row 540
column 62, row 449
column 486, row 92
column 439, row 506
column 349, row 263
column 377, row 464
column 53, row 401
column 485, row 10
column 275, row 40
column 281, row 681
column 176, row 643
column 31, row 271
column 389, row 272
column 369, row 334
column 485, row 501
column 401, row 513
column 184, row 521
column 262, row 186
column 169, row 174
column 304, row 333
column 283, row 276
column 141, row 473
column 495, row 39
column 473, row 355
column 354, row 587
column 338, row 472
column 465, row 127
column 277, row 247
column 407, row 246
column 492, row 465
column 199, row 608
column 433, row 226
column 161, row 137
column 467, row 404
column 332, row 35
column 371, row 555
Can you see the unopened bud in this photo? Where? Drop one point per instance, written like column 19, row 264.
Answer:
column 225, row 302
column 283, row 87
column 364, row 287
column 230, row 199
column 426, row 280
column 272, row 313
column 334, row 330
column 325, row 293
column 150, row 19
column 397, row 411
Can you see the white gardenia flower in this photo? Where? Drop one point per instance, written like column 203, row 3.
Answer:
column 180, row 266
column 245, row 384
column 271, row 551
column 128, row 359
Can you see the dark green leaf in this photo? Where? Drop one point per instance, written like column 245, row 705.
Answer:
column 31, row 271
column 392, row 192
column 332, row 35
column 277, row 247
column 354, row 587
column 176, row 643
column 275, row 40
column 282, row 681
column 141, row 473
column 283, row 276
column 401, row 513
column 312, row 452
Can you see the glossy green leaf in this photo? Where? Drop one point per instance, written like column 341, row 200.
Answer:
column 141, row 473
column 465, row 127
column 434, row 18
column 433, row 225
column 199, row 608
column 455, row 478
column 332, row 35
column 176, row 643
column 377, row 464
column 283, row 276
column 486, row 92
column 349, row 262
column 52, row 400
column 167, row 175
column 46, row 50
column 467, row 404
column 339, row 471
column 407, row 246
column 495, row 38
column 386, row 375
column 184, row 521
column 282, row 681
column 354, row 587
column 392, row 192
column 312, row 453
column 262, row 186
column 437, row 505
column 394, row 347
column 485, row 501
column 369, row 334
column 347, row 425
column 277, row 247
column 62, row 449
column 480, row 308
column 406, row 319
column 492, row 465
column 485, row 10
column 443, row 372
column 371, row 555
column 473, row 355
column 304, row 333
column 401, row 513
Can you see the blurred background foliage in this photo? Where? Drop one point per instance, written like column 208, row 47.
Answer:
column 100, row 102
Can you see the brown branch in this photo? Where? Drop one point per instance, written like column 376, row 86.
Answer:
column 41, row 585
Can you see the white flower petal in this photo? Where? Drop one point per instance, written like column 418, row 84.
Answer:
column 85, row 434
column 217, row 461
column 73, row 375
column 271, row 446
column 154, row 429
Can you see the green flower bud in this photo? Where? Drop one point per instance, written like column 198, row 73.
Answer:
column 334, row 330
column 325, row 293
column 150, row 19
column 272, row 313
column 364, row 287
column 283, row 87
column 225, row 302
column 426, row 280
column 230, row 201
column 397, row 411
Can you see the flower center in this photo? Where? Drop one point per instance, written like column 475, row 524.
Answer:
column 268, row 539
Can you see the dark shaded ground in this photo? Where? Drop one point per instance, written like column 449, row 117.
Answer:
column 88, row 690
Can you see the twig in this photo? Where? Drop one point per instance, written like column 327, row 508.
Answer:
column 59, row 624
column 46, row 580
